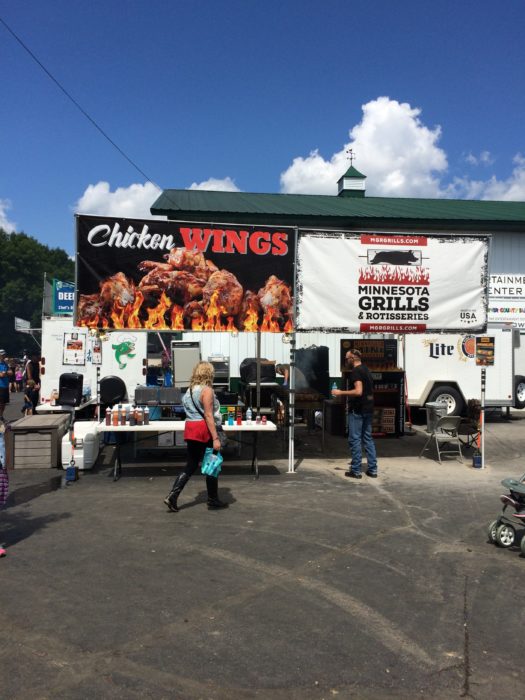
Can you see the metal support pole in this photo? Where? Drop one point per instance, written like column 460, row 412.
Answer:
column 482, row 416
column 97, row 408
column 291, row 402
column 258, row 373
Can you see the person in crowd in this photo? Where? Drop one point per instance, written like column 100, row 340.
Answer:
column 301, row 384
column 30, row 398
column 5, row 378
column 32, row 371
column 19, row 377
column 360, row 397
column 33, row 368
column 12, row 377
column 283, row 371
column 202, row 417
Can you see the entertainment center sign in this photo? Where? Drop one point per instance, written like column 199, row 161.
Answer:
column 507, row 299
column 391, row 283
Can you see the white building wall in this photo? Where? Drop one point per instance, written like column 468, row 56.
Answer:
column 244, row 345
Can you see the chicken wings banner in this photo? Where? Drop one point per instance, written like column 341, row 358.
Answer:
column 391, row 283
column 171, row 275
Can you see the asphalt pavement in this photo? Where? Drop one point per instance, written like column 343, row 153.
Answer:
column 310, row 585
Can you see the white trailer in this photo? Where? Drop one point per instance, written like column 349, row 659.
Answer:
column 120, row 353
column 443, row 368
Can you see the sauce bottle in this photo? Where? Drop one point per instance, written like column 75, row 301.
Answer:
column 108, row 416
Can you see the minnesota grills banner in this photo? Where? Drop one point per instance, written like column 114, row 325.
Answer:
column 168, row 275
column 391, row 283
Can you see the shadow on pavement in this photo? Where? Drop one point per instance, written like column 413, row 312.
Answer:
column 19, row 526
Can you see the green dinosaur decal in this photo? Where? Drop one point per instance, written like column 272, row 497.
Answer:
column 123, row 352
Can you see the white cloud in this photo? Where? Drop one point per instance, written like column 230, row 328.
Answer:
column 134, row 202
column 5, row 223
column 511, row 189
column 397, row 152
column 224, row 185
column 484, row 158
column 401, row 158
column 129, row 202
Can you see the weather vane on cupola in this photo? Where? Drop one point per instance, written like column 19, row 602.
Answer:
column 351, row 155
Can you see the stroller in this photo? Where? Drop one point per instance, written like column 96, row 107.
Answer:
column 502, row 531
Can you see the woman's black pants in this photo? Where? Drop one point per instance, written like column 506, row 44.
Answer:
column 195, row 452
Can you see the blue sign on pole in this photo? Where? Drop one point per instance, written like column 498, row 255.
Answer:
column 63, row 297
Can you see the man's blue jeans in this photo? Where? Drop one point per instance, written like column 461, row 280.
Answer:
column 360, row 431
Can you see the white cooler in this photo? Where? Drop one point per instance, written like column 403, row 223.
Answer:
column 88, row 445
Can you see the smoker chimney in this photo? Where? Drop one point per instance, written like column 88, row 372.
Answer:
column 351, row 184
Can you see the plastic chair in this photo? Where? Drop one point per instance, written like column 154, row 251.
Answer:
column 445, row 433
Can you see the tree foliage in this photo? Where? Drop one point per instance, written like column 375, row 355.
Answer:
column 23, row 262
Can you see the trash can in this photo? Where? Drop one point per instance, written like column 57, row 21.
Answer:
column 435, row 409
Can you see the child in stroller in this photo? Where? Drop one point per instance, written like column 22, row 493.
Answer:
column 502, row 531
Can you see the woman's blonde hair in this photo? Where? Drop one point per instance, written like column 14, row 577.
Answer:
column 202, row 374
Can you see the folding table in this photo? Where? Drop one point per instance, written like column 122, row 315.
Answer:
column 170, row 426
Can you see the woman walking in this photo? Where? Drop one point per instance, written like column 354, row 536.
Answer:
column 200, row 431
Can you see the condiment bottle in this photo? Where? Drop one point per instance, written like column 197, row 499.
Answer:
column 258, row 419
column 248, row 416
column 263, row 420
column 123, row 416
column 146, row 416
column 139, row 416
column 114, row 416
column 108, row 416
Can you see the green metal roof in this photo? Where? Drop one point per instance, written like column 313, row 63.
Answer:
column 323, row 210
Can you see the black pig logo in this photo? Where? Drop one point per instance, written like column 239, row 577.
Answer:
column 395, row 257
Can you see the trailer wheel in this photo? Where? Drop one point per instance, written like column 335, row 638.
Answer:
column 449, row 396
column 519, row 392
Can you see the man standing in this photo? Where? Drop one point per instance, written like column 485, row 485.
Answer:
column 360, row 410
column 5, row 373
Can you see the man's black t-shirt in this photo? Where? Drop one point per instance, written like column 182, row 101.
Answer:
column 365, row 402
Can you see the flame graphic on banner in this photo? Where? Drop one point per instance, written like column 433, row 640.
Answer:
column 392, row 274
column 169, row 316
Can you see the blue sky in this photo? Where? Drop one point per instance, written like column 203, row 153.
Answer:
column 256, row 96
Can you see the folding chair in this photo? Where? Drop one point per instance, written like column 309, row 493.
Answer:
column 445, row 433
column 469, row 428
column 468, row 432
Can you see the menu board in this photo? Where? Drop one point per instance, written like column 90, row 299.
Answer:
column 376, row 354
column 485, row 350
column 74, row 349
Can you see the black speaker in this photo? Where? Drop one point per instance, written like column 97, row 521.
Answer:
column 112, row 390
column 313, row 363
column 70, row 389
